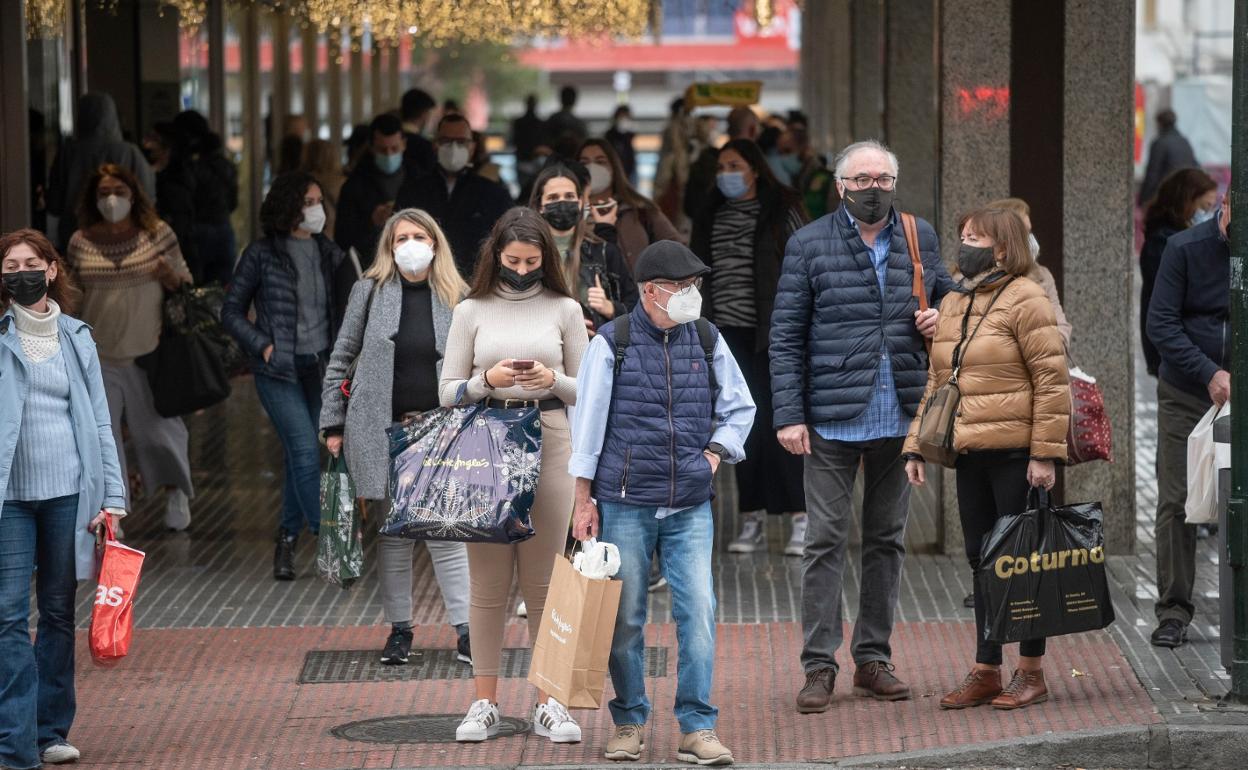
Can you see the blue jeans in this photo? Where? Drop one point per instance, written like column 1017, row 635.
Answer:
column 685, row 542
column 295, row 409
column 36, row 681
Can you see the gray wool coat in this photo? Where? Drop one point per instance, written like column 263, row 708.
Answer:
column 365, row 416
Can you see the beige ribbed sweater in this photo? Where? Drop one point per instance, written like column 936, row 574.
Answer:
column 537, row 324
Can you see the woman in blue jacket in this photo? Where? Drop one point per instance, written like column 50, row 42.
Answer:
column 60, row 477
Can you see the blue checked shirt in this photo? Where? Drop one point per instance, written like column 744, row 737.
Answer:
column 883, row 417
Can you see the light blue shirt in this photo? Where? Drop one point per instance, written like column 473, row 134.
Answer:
column 734, row 410
column 883, row 417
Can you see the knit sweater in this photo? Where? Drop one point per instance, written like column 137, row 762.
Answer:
column 45, row 462
column 123, row 296
column 535, row 324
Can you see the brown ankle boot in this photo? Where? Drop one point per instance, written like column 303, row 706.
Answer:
column 1025, row 689
column 816, row 694
column 876, row 680
column 979, row 687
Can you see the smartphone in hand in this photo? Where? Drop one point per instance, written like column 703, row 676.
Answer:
column 522, row 364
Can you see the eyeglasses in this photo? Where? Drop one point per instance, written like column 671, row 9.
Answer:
column 442, row 140
column 863, row 181
column 671, row 287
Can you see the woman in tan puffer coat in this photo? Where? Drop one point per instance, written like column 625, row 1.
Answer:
column 1011, row 424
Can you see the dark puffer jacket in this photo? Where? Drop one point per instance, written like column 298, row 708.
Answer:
column 266, row 276
column 830, row 321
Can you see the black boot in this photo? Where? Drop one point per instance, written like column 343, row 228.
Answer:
column 284, row 557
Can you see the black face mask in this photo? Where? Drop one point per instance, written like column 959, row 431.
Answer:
column 973, row 260
column 562, row 215
column 869, row 205
column 27, row 286
column 520, row 282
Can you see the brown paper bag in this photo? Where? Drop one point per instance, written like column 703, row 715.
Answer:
column 574, row 640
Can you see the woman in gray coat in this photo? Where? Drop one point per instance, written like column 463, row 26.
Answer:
column 396, row 325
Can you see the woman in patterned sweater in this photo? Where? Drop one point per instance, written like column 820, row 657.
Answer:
column 126, row 258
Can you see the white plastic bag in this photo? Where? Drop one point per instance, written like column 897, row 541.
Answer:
column 597, row 560
column 1204, row 459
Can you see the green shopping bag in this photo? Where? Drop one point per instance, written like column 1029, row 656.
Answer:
column 340, row 544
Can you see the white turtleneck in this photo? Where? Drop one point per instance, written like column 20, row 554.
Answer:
column 38, row 332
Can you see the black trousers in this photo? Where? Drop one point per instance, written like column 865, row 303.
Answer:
column 769, row 478
column 991, row 484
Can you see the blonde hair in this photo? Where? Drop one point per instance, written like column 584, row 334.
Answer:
column 444, row 277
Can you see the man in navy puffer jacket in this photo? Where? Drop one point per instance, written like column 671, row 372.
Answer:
column 848, row 369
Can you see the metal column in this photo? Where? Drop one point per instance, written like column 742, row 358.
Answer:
column 216, row 67
column 279, row 95
column 378, row 104
column 14, row 126
column 334, row 72
column 357, row 86
column 310, row 80
column 253, row 117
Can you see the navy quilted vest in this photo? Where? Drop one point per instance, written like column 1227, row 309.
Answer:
column 660, row 420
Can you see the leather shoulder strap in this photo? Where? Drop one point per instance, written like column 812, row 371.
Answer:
column 918, row 288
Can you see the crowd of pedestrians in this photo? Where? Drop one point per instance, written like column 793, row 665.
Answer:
column 765, row 310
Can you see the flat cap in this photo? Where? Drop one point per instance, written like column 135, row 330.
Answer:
column 667, row 260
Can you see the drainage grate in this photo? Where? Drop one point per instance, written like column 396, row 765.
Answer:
column 417, row 728
column 340, row 666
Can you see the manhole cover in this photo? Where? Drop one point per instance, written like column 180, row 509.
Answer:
column 339, row 666
column 417, row 728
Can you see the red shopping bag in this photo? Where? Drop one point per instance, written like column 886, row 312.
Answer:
column 112, row 617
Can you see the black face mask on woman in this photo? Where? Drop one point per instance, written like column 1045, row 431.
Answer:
column 27, row 286
column 562, row 215
column 973, row 260
column 520, row 282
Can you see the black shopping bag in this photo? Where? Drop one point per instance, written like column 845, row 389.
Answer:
column 1042, row 572
column 188, row 370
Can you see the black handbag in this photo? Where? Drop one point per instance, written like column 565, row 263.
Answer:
column 187, row 371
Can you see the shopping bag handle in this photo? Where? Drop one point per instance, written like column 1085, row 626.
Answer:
column 1038, row 498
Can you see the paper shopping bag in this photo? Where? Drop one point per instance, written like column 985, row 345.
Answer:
column 112, row 617
column 574, row 640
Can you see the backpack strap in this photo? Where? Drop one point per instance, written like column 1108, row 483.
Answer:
column 621, row 342
column 706, row 335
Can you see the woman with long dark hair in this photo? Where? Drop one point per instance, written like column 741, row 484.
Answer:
column 593, row 268
column 289, row 277
column 126, row 258
column 1186, row 197
column 741, row 235
column 517, row 341
column 620, row 214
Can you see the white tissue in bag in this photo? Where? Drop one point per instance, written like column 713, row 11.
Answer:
column 596, row 560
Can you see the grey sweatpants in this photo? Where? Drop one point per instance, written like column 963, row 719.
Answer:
column 160, row 444
column 394, row 567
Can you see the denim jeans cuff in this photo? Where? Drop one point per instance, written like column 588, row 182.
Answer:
column 701, row 723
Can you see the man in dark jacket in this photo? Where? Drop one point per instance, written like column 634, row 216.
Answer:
column 368, row 196
column 418, row 157
column 742, row 124
column 565, row 125
column 465, row 205
column 1188, row 321
column 848, row 369
column 1169, row 151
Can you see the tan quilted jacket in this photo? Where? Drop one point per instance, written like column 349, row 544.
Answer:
column 1013, row 379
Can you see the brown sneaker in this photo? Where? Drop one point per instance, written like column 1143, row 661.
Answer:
column 876, row 680
column 1025, row 689
column 702, row 747
column 816, row 694
column 627, row 743
column 978, row 688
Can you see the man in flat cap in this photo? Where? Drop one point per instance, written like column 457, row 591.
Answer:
column 660, row 404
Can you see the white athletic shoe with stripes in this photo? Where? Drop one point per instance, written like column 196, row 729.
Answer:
column 481, row 723
column 552, row 720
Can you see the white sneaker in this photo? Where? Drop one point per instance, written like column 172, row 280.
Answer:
column 552, row 720
column 59, row 754
column 522, row 610
column 797, row 540
column 177, row 511
column 481, row 722
column 753, row 535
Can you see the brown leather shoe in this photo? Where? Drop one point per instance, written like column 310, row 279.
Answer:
column 978, row 688
column 876, row 680
column 1025, row 689
column 816, row 695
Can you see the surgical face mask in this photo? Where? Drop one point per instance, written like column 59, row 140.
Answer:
column 1033, row 245
column 27, row 286
column 114, row 208
column 388, row 164
column 313, row 219
column 973, row 260
column 599, row 179
column 413, row 257
column 562, row 215
column 626, row 126
column 732, row 184
column 1202, row 215
column 684, row 306
column 452, row 157
column 792, row 165
column 869, row 205
column 521, row 282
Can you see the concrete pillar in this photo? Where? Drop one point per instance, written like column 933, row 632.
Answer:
column 911, row 97
column 14, row 125
column 253, row 118
column 377, row 101
column 825, row 68
column 216, row 66
column 867, row 69
column 1096, row 153
column 393, row 81
column 279, row 94
column 334, row 73
column 357, row 86
column 309, row 79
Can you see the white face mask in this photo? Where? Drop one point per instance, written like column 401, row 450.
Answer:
column 114, row 208
column 313, row 219
column 452, row 157
column 684, row 306
column 1034, row 245
column 599, row 179
column 413, row 257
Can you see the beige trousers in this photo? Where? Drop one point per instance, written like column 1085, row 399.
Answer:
column 491, row 565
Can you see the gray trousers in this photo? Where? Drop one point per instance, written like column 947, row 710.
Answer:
column 831, row 469
column 1177, row 415
column 160, row 444
column 394, row 566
